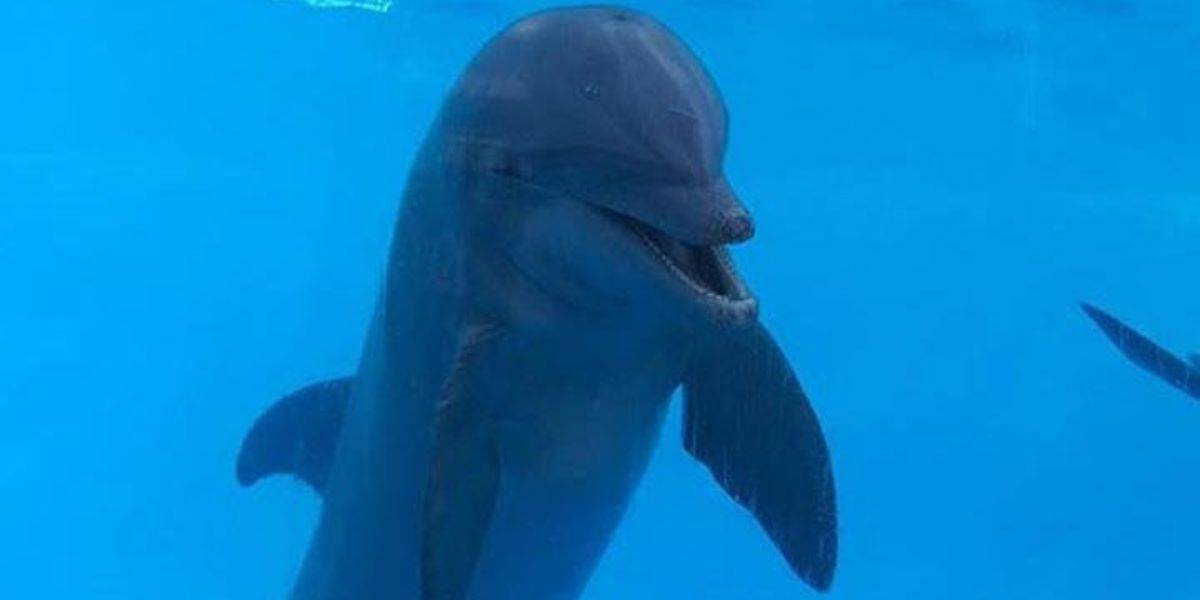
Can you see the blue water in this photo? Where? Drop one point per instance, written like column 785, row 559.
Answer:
column 196, row 200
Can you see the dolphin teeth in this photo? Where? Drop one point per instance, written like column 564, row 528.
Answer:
column 707, row 270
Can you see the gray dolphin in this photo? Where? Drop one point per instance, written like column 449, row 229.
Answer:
column 1182, row 374
column 558, row 269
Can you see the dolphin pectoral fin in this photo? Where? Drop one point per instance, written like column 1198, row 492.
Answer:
column 463, row 477
column 297, row 435
column 1147, row 354
column 747, row 419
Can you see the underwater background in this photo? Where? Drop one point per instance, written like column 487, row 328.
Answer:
column 196, row 200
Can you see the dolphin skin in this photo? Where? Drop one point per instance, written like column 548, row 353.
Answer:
column 558, row 268
column 1182, row 374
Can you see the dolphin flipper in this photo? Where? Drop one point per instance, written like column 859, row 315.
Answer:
column 1147, row 354
column 463, row 477
column 297, row 435
column 747, row 419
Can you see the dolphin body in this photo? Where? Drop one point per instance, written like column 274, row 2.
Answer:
column 558, row 269
column 1181, row 374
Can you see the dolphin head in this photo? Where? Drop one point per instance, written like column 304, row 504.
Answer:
column 609, row 120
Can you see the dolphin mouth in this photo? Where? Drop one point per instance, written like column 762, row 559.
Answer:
column 705, row 272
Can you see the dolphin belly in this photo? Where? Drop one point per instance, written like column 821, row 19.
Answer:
column 564, row 489
column 576, row 424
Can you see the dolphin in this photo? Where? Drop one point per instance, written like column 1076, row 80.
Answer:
column 1182, row 374
column 558, row 269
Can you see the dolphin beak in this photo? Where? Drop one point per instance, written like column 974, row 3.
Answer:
column 723, row 218
column 706, row 215
column 686, row 229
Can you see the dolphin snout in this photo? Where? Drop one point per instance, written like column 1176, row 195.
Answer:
column 737, row 228
column 728, row 221
column 706, row 215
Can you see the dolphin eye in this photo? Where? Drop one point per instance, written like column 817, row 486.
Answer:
column 683, row 113
column 512, row 166
column 499, row 160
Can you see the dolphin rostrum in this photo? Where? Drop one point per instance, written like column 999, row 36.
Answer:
column 558, row 268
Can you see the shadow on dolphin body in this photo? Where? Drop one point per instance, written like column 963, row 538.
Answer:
column 1182, row 374
column 558, row 268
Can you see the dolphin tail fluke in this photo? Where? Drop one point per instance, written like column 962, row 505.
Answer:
column 297, row 435
column 747, row 419
column 1147, row 354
